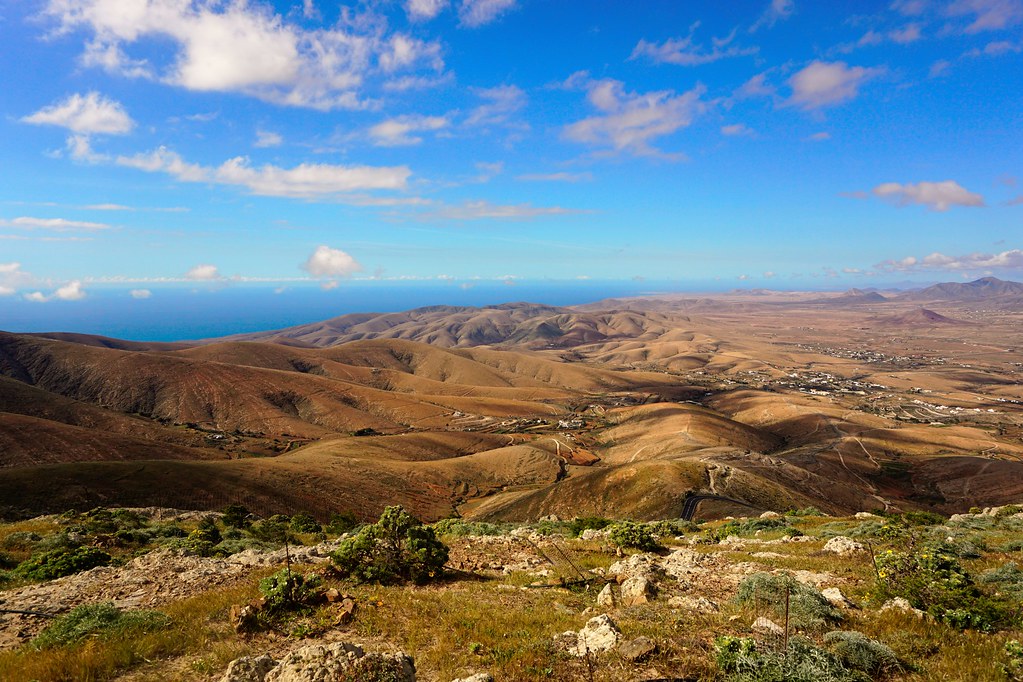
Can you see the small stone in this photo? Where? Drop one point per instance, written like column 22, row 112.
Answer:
column 249, row 669
column 836, row 598
column 245, row 617
column 767, row 625
column 842, row 546
column 637, row 649
column 598, row 635
column 902, row 605
column 865, row 516
column 697, row 604
column 345, row 611
column 637, row 590
column 606, row 597
column 478, row 677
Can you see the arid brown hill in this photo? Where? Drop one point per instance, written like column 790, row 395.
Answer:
column 524, row 325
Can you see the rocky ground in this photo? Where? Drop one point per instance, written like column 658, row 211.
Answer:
column 529, row 603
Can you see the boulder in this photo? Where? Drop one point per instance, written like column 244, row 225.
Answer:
column 600, row 634
column 903, row 606
column 698, row 604
column 606, row 597
column 836, row 598
column 637, row 590
column 842, row 546
column 768, row 626
column 249, row 669
column 865, row 516
column 637, row 649
column 770, row 515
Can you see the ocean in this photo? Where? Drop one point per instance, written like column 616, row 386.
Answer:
column 176, row 313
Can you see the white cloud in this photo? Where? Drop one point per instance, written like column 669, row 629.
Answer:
column 556, row 177
column 988, row 15
column 242, row 47
column 79, row 148
column 822, row 136
column 629, row 121
column 72, row 291
column 303, row 181
column 395, row 132
column 1006, row 260
column 777, row 11
column 473, row 13
column 995, row 49
column 736, row 129
column 484, row 210
column 821, row 84
column 501, row 103
column 328, row 262
column 141, row 293
column 54, row 224
column 12, row 278
column 85, row 114
column 266, row 138
column 685, row 52
column 424, row 10
column 756, row 86
column 939, row 196
column 938, row 68
column 203, row 273
column 905, row 35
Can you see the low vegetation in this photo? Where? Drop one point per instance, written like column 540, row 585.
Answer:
column 493, row 611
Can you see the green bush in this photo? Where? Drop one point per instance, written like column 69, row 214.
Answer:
column 673, row 528
column 289, row 591
column 398, row 548
column 805, row 511
column 1013, row 666
column 21, row 541
column 743, row 661
column 344, row 522
column 305, row 523
column 632, row 535
column 1007, row 579
column 749, row 527
column 275, row 530
column 931, row 578
column 235, row 516
column 580, row 523
column 60, row 562
column 858, row 652
column 459, row 528
column 808, row 609
column 102, row 619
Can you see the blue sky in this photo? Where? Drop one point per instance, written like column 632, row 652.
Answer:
column 149, row 144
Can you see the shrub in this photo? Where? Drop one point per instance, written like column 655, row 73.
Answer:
column 21, row 541
column 398, row 548
column 1007, row 579
column 1013, row 666
column 1008, row 510
column 305, row 523
column 859, row 652
column 286, row 591
column 742, row 661
column 749, row 527
column 580, row 523
column 344, row 522
column 460, row 528
column 808, row 609
column 7, row 561
column 235, row 516
column 923, row 518
column 102, row 619
column 672, row 528
column 805, row 511
column 60, row 562
column 932, row 579
column 276, row 530
column 629, row 534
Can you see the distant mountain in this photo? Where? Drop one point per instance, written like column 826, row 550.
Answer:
column 920, row 317
column 977, row 290
column 853, row 297
column 525, row 325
